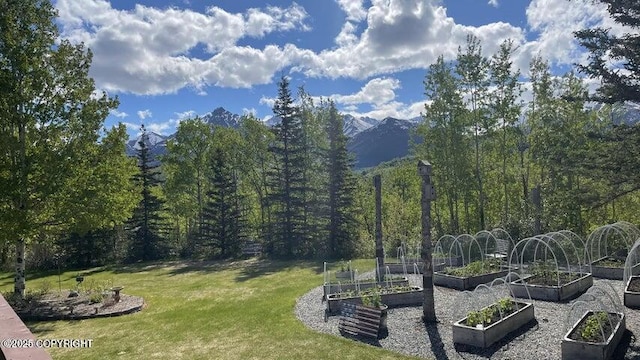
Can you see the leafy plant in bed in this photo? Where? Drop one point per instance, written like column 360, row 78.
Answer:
column 486, row 326
column 471, row 275
column 594, row 336
column 546, row 282
column 391, row 296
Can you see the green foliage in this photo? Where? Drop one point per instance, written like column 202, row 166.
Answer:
column 604, row 47
column 373, row 299
column 486, row 316
column 475, row 268
column 59, row 172
column 594, row 326
column 544, row 270
column 224, row 226
column 148, row 224
column 342, row 241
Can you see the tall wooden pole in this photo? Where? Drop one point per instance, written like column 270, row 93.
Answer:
column 377, row 183
column 428, row 194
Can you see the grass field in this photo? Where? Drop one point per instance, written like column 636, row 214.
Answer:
column 212, row 310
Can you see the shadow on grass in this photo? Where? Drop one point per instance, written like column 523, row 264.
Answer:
column 268, row 267
column 518, row 335
column 248, row 268
column 40, row 328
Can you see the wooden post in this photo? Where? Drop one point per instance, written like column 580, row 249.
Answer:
column 428, row 194
column 377, row 183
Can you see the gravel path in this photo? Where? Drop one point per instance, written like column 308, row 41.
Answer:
column 408, row 335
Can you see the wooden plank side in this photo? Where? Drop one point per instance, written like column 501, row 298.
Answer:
column 359, row 320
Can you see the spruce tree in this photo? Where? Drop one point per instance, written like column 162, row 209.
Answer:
column 223, row 221
column 342, row 187
column 286, row 178
column 148, row 225
column 620, row 82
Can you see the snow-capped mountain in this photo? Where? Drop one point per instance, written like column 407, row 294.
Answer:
column 156, row 143
column 354, row 125
column 626, row 113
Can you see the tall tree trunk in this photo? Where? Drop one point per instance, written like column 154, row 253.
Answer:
column 377, row 182
column 428, row 305
column 20, row 280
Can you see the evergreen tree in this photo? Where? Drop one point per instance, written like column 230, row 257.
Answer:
column 287, row 178
column 615, row 60
column 620, row 82
column 342, row 187
column 223, row 221
column 148, row 224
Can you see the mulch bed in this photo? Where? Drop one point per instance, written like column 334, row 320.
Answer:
column 59, row 306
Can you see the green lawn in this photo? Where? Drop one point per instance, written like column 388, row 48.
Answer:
column 214, row 310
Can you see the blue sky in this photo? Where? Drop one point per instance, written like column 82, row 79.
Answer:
column 172, row 59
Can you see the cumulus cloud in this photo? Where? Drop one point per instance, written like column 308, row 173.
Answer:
column 557, row 20
column 494, row 3
column 185, row 114
column 354, row 9
column 377, row 92
column 144, row 114
column 268, row 101
column 147, row 50
column 119, row 114
column 400, row 35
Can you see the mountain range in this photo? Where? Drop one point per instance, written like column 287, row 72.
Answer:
column 366, row 136
column 371, row 141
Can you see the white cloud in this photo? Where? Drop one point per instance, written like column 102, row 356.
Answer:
column 557, row 20
column 144, row 114
column 400, row 35
column 150, row 50
column 131, row 126
column 185, row 114
column 147, row 50
column 354, row 9
column 377, row 92
column 494, row 3
column 247, row 111
column 268, row 101
column 119, row 114
column 160, row 128
column 347, row 35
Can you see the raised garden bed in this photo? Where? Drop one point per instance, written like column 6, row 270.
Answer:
column 611, row 268
column 475, row 330
column 546, row 287
column 346, row 275
column 585, row 341
column 439, row 263
column 471, row 275
column 392, row 297
column 397, row 268
column 632, row 292
column 364, row 284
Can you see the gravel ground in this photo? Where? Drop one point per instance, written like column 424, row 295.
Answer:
column 408, row 335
